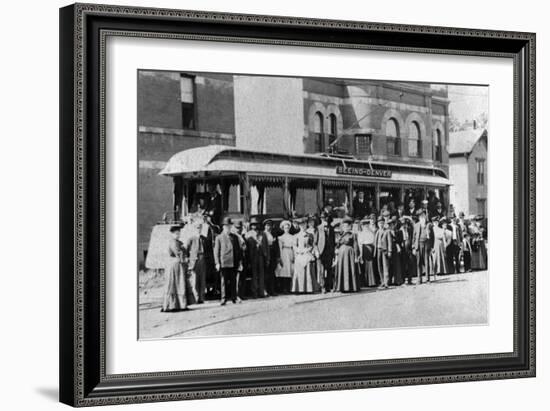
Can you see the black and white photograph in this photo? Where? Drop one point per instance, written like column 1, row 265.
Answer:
column 273, row 205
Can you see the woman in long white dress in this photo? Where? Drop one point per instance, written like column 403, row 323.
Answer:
column 286, row 248
column 304, row 278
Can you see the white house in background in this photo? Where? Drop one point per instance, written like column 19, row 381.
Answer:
column 468, row 171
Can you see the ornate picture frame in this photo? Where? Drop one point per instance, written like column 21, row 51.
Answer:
column 84, row 29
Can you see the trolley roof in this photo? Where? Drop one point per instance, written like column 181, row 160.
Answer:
column 226, row 160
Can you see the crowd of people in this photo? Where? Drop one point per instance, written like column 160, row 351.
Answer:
column 396, row 246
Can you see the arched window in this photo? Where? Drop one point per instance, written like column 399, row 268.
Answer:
column 392, row 137
column 415, row 141
column 318, row 136
column 333, row 128
column 438, row 152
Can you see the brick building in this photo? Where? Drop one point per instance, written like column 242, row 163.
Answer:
column 394, row 123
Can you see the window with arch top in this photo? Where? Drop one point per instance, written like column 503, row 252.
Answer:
column 333, row 128
column 318, row 127
column 392, row 137
column 438, row 146
column 415, row 141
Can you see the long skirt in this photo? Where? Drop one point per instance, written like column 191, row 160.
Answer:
column 439, row 259
column 177, row 294
column 304, row 278
column 371, row 279
column 408, row 264
column 346, row 274
column 396, row 271
column 287, row 263
column 479, row 256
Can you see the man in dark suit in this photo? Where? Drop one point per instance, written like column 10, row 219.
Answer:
column 360, row 206
column 256, row 258
column 411, row 209
column 408, row 261
column 421, row 246
column 438, row 211
column 454, row 248
column 270, row 250
column 214, row 206
column 209, row 232
column 228, row 259
column 326, row 246
column 196, row 246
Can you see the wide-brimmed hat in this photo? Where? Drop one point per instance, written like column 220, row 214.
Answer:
column 227, row 221
column 238, row 224
column 365, row 220
column 268, row 221
column 285, row 223
column 347, row 220
column 312, row 217
column 176, row 227
column 420, row 211
column 300, row 220
column 255, row 221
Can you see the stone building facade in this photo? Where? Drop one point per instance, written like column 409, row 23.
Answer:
column 370, row 120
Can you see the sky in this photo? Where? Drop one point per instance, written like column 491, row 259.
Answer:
column 468, row 102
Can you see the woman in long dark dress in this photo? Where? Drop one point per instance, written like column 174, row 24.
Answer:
column 365, row 240
column 347, row 256
column 177, row 295
column 479, row 249
column 396, row 269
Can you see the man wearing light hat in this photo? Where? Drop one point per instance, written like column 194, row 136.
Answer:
column 197, row 261
column 421, row 246
column 228, row 259
column 380, row 252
